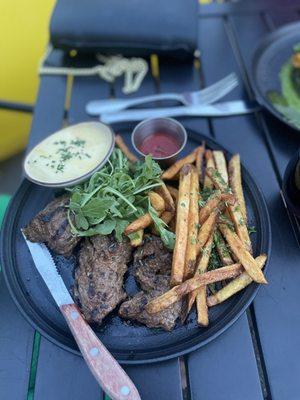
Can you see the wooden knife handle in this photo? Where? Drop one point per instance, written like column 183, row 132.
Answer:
column 107, row 371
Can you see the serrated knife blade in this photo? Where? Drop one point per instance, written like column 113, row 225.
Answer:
column 45, row 264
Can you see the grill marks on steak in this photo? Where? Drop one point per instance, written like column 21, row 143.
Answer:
column 152, row 266
column 51, row 226
column 99, row 276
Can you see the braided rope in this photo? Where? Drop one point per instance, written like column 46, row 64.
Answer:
column 134, row 70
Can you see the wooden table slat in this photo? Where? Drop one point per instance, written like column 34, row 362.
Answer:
column 16, row 339
column 226, row 368
column 62, row 376
column 49, row 108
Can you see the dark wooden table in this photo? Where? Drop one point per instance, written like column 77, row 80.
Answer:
column 258, row 357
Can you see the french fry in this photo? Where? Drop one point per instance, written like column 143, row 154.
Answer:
column 235, row 285
column 172, row 224
column 145, row 220
column 199, row 161
column 167, row 216
column 193, row 225
column 209, row 164
column 183, row 205
column 235, row 180
column 213, row 202
column 163, row 191
column 220, row 163
column 200, row 294
column 245, row 258
column 222, row 249
column 177, row 292
column 136, row 238
column 125, row 150
column 240, row 225
column 217, row 180
column 157, row 201
column 174, row 192
column 140, row 223
column 234, row 210
column 206, row 229
column 172, row 171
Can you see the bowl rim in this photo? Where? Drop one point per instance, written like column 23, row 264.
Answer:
column 81, row 178
column 170, row 120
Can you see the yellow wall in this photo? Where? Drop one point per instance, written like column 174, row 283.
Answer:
column 24, row 35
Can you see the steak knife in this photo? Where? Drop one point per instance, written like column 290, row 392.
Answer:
column 107, row 371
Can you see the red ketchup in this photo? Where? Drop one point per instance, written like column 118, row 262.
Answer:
column 160, row 145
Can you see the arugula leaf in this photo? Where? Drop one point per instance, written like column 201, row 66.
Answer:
column 120, row 227
column 97, row 208
column 167, row 237
column 81, row 222
column 113, row 197
column 106, row 228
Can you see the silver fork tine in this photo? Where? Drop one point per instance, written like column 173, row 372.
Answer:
column 222, row 91
column 212, row 96
column 217, row 91
column 229, row 79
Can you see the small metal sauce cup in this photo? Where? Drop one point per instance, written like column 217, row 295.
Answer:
column 153, row 125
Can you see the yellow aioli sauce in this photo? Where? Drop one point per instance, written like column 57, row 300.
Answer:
column 69, row 154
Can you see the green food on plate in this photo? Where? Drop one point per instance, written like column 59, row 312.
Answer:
column 288, row 101
column 115, row 196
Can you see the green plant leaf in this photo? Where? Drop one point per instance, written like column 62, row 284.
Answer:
column 167, row 237
column 97, row 208
column 118, row 192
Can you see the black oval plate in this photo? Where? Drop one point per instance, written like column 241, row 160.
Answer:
column 130, row 343
column 272, row 52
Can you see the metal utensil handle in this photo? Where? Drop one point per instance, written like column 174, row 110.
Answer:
column 97, row 107
column 238, row 107
column 107, row 371
column 138, row 115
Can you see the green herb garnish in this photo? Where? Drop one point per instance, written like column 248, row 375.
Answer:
column 205, row 194
column 214, row 260
column 251, row 229
column 167, row 237
column 115, row 196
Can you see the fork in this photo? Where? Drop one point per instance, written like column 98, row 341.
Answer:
column 205, row 96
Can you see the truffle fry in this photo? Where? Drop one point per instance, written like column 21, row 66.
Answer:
column 125, row 150
column 172, row 171
column 209, row 164
column 235, row 181
column 200, row 294
column 199, row 162
column 193, row 225
column 235, row 285
column 238, row 249
column 182, row 216
column 176, row 293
